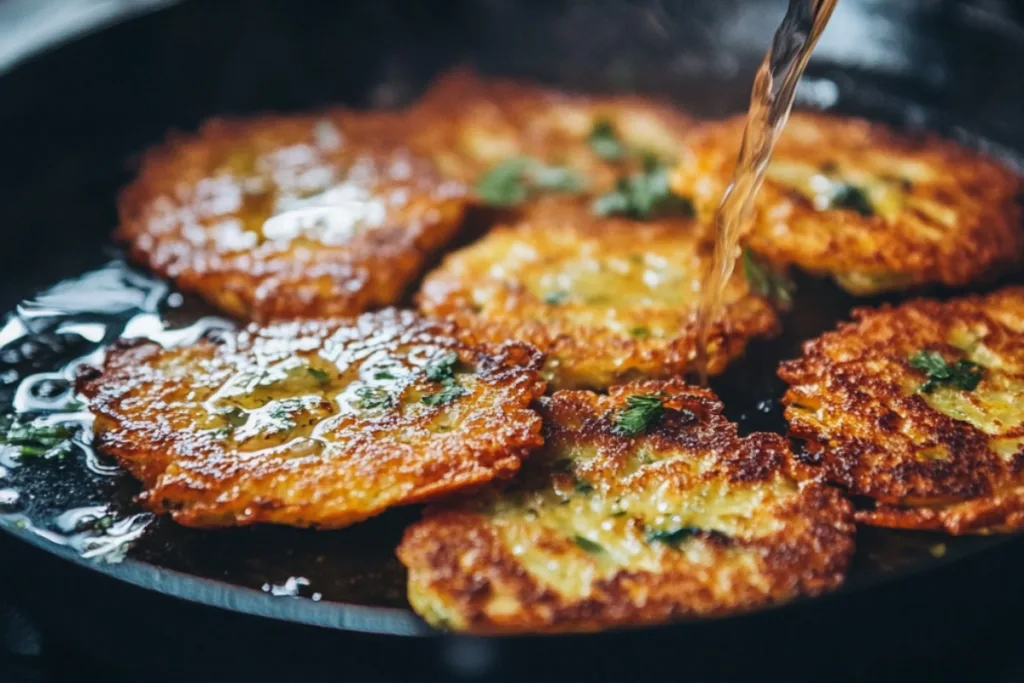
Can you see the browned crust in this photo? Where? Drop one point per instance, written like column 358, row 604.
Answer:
column 589, row 344
column 150, row 415
column 460, row 566
column 468, row 123
column 853, row 398
column 871, row 253
column 177, row 215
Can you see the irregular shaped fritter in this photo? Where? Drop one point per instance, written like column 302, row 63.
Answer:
column 286, row 217
column 874, row 208
column 643, row 506
column 314, row 424
column 608, row 300
column 470, row 125
column 920, row 407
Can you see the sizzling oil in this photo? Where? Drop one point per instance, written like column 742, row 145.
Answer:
column 770, row 104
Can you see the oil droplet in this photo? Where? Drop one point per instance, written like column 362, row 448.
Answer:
column 289, row 589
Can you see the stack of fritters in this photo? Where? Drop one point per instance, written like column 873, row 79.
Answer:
column 636, row 505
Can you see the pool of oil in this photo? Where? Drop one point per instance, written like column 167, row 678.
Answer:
column 81, row 501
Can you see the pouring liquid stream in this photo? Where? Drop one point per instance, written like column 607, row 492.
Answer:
column 770, row 104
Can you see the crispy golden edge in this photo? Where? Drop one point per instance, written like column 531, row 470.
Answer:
column 202, row 482
column 588, row 355
column 300, row 279
column 457, row 564
column 848, row 401
column 529, row 120
column 868, row 254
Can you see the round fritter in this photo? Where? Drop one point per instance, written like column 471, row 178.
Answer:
column 875, row 209
column 469, row 125
column 920, row 407
column 643, row 506
column 314, row 424
column 286, row 217
column 607, row 300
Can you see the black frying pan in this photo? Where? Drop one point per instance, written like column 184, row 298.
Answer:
column 191, row 605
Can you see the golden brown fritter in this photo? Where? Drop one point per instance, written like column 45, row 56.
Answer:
column 891, row 407
column 875, row 209
column 470, row 125
column 611, row 526
column 314, row 424
column 608, row 300
column 287, row 217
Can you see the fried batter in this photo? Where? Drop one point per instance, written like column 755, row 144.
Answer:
column 875, row 209
column 606, row 529
column 921, row 408
column 286, row 217
column 608, row 300
column 470, row 125
column 314, row 424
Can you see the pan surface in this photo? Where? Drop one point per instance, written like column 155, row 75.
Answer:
column 71, row 145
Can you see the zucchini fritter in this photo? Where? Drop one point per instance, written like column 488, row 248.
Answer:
column 643, row 506
column 469, row 125
column 286, row 217
column 920, row 407
column 875, row 209
column 314, row 424
column 608, row 300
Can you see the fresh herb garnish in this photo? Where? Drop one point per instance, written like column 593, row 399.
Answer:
column 640, row 332
column 671, row 537
column 605, row 142
column 588, row 545
column 642, row 412
column 851, row 198
column 442, row 369
column 963, row 374
column 35, row 440
column 512, row 181
column 371, row 398
column 383, row 374
column 767, row 282
column 322, row 378
column 449, row 393
column 643, row 195
column 235, row 417
column 582, row 486
column 555, row 298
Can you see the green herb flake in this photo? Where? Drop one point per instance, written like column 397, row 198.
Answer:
column 644, row 195
column 605, row 142
column 582, row 486
column 851, row 198
column 588, row 545
column 640, row 332
column 383, row 374
column 512, row 181
column 556, row 179
column 443, row 368
column 673, row 537
column 962, row 374
column 322, row 378
column 642, row 412
column 556, row 298
column 449, row 393
column 766, row 281
column 371, row 398
column 235, row 417
column 35, row 440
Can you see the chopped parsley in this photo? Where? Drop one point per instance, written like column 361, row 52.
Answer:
column 851, row 198
column 322, row 378
column 605, row 142
column 371, row 398
column 555, row 298
column 512, row 181
column 235, row 417
column 642, row 412
column 640, row 332
column 963, row 374
column 672, row 537
column 767, row 282
column 443, row 368
column 383, row 374
column 644, row 195
column 582, row 486
column 448, row 393
column 35, row 440
column 588, row 545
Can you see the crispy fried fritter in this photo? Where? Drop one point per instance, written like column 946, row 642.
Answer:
column 875, row 209
column 603, row 529
column 314, row 424
column 469, row 125
column 607, row 300
column 881, row 420
column 286, row 217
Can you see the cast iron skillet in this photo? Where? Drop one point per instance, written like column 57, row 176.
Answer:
column 189, row 603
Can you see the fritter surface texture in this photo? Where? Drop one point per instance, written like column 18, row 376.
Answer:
column 607, row 300
column 287, row 217
column 921, row 408
column 313, row 424
column 876, row 209
column 608, row 529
